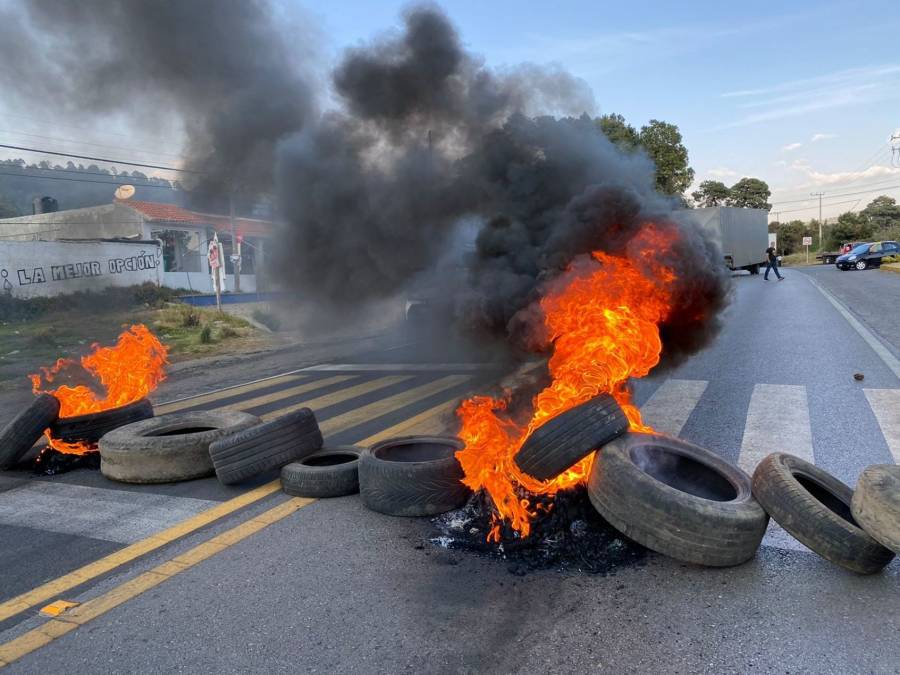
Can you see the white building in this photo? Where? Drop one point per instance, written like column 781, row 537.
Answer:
column 184, row 237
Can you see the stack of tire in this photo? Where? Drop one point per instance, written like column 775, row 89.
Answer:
column 407, row 476
column 20, row 435
column 688, row 503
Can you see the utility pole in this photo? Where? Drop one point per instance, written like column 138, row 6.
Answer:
column 819, row 195
column 235, row 245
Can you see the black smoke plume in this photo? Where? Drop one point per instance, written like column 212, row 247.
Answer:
column 426, row 135
column 224, row 67
column 421, row 136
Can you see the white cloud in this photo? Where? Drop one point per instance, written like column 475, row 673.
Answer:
column 780, row 162
column 820, row 178
column 821, row 137
column 792, row 146
column 722, row 172
column 849, row 87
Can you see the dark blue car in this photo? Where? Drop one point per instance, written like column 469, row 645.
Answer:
column 867, row 255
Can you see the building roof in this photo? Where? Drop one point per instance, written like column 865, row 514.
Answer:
column 169, row 213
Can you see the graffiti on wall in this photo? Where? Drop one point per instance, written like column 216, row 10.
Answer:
column 26, row 276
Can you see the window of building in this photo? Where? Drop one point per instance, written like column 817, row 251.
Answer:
column 181, row 250
column 248, row 254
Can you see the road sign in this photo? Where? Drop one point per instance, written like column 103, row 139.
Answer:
column 807, row 241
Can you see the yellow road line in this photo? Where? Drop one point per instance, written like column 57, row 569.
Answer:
column 425, row 422
column 60, row 585
column 390, row 404
column 287, row 393
column 340, row 396
column 92, row 609
column 175, row 406
column 93, row 570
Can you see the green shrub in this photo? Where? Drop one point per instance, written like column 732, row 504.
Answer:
column 190, row 316
column 206, row 335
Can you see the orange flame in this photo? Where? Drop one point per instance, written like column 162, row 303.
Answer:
column 603, row 321
column 126, row 372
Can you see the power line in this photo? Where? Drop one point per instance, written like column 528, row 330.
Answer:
column 88, row 180
column 97, row 159
column 808, row 208
column 841, row 194
column 82, row 172
column 97, row 145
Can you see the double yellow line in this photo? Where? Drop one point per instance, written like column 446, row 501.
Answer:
column 426, row 421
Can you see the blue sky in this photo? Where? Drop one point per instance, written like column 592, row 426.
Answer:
column 803, row 94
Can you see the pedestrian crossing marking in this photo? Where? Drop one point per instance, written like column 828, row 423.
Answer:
column 426, row 423
column 672, row 403
column 98, row 513
column 336, row 397
column 885, row 403
column 282, row 394
column 777, row 421
column 228, row 392
column 390, row 404
column 410, row 367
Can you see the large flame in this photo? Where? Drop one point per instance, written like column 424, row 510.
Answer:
column 121, row 374
column 602, row 319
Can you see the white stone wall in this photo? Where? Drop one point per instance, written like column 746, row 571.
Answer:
column 44, row 268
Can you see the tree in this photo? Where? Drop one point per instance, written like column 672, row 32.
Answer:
column 7, row 208
column 790, row 235
column 711, row 193
column 849, row 227
column 617, row 130
column 663, row 143
column 882, row 212
column 750, row 193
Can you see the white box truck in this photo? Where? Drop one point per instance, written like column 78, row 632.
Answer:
column 743, row 234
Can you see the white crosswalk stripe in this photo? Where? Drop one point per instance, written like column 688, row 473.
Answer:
column 885, row 403
column 777, row 421
column 99, row 513
column 671, row 405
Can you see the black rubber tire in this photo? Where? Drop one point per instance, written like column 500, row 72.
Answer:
column 720, row 529
column 139, row 453
column 826, row 527
column 266, row 447
column 570, row 437
column 876, row 504
column 861, row 265
column 24, row 430
column 313, row 476
column 412, row 488
column 90, row 428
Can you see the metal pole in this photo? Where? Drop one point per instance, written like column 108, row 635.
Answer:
column 819, row 195
column 235, row 249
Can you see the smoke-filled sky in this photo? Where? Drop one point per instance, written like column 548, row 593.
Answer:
column 375, row 160
column 756, row 90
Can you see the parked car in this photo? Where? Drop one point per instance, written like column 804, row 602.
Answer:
column 867, row 255
column 830, row 257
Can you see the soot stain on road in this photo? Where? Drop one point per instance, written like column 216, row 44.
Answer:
column 50, row 462
column 568, row 535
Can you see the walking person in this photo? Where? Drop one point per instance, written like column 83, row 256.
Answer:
column 772, row 264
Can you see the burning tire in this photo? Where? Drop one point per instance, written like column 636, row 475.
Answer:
column 815, row 508
column 570, row 437
column 412, row 476
column 265, row 447
column 331, row 472
column 92, row 427
column 168, row 448
column 677, row 499
column 876, row 504
column 26, row 428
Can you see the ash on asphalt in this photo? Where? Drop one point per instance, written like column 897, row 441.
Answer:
column 50, row 462
column 567, row 535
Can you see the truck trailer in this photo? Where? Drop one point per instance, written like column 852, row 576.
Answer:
column 743, row 234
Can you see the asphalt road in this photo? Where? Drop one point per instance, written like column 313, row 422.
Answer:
column 331, row 587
